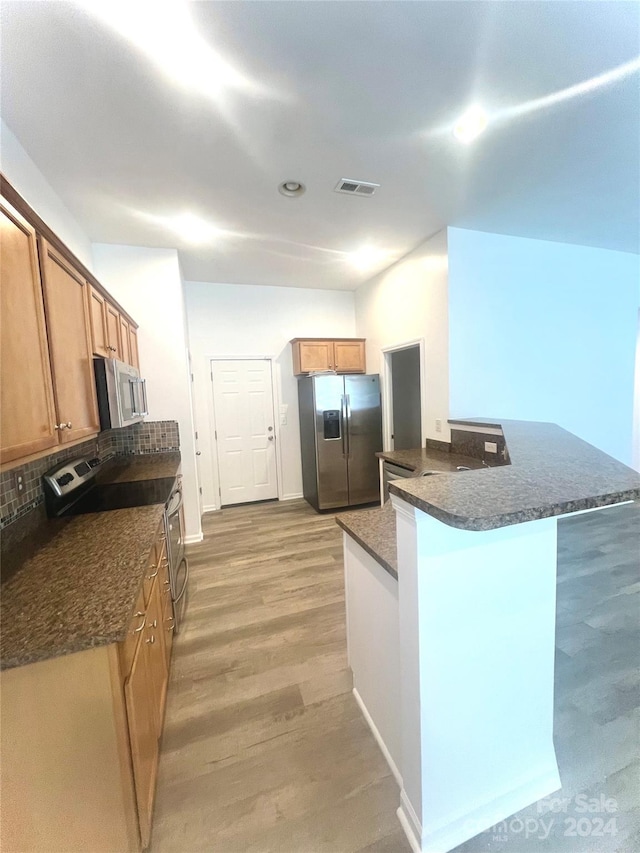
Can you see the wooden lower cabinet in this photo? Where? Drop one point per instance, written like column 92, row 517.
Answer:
column 80, row 741
column 143, row 735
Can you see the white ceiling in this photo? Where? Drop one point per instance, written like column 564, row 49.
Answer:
column 347, row 89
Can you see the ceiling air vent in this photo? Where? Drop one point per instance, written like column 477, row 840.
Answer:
column 346, row 185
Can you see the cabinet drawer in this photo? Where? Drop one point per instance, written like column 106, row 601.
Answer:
column 136, row 628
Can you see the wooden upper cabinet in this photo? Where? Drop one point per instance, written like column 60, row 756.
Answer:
column 98, row 321
column 349, row 356
column 27, row 413
column 68, row 324
column 344, row 355
column 113, row 331
column 133, row 348
column 125, row 354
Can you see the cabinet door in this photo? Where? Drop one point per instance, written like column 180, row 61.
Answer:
column 27, row 410
column 154, row 639
column 70, row 346
column 143, row 736
column 133, row 348
column 314, row 355
column 349, row 356
column 168, row 621
column 98, row 320
column 124, row 341
column 113, row 331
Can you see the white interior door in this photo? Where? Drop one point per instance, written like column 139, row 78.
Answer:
column 243, row 405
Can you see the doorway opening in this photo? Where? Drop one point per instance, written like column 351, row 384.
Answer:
column 244, row 430
column 403, row 397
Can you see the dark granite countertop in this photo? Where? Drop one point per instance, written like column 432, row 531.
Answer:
column 552, row 472
column 375, row 531
column 78, row 589
column 148, row 466
column 424, row 460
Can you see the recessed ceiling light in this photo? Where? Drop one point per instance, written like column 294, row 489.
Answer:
column 291, row 188
column 167, row 34
column 367, row 257
column 471, row 124
column 192, row 229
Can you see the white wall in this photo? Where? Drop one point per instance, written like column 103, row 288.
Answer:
column 148, row 284
column 544, row 331
column 407, row 302
column 245, row 320
column 32, row 185
column 635, row 461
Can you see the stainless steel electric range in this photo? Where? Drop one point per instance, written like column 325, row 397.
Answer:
column 71, row 488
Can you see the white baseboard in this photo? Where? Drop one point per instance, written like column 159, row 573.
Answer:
column 194, row 538
column 210, row 508
column 374, row 731
column 409, row 822
column 441, row 839
column 294, row 497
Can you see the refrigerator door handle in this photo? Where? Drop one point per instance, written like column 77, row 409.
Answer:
column 343, row 424
column 348, row 423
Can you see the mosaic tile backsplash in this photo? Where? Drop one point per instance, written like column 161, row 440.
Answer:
column 148, row 437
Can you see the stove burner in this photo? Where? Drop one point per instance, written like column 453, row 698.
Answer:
column 111, row 496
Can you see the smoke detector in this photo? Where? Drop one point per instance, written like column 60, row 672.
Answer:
column 363, row 188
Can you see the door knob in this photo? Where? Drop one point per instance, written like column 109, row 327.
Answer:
column 198, row 453
column 270, row 429
column 270, row 438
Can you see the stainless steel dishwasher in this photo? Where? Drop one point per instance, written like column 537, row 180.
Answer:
column 393, row 472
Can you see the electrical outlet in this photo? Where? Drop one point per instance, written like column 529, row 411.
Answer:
column 18, row 482
column 490, row 447
column 438, row 425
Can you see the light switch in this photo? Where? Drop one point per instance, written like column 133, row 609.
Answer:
column 284, row 411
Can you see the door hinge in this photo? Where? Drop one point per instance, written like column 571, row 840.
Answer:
column 192, row 377
column 215, row 433
column 196, row 434
column 200, row 490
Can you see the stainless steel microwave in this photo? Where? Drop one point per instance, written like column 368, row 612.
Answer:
column 122, row 394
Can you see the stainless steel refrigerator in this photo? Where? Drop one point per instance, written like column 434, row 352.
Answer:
column 340, row 434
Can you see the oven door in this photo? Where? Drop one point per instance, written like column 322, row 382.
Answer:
column 178, row 565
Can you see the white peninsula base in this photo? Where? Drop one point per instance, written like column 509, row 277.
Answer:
column 477, row 638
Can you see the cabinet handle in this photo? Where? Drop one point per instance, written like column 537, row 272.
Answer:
column 137, row 630
column 149, row 577
column 153, row 624
column 173, row 622
column 68, row 424
column 151, row 640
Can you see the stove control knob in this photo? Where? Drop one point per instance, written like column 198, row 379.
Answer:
column 66, row 478
column 93, row 462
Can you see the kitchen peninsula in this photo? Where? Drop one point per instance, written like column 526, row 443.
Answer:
column 451, row 597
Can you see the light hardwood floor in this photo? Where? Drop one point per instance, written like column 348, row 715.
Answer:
column 264, row 748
